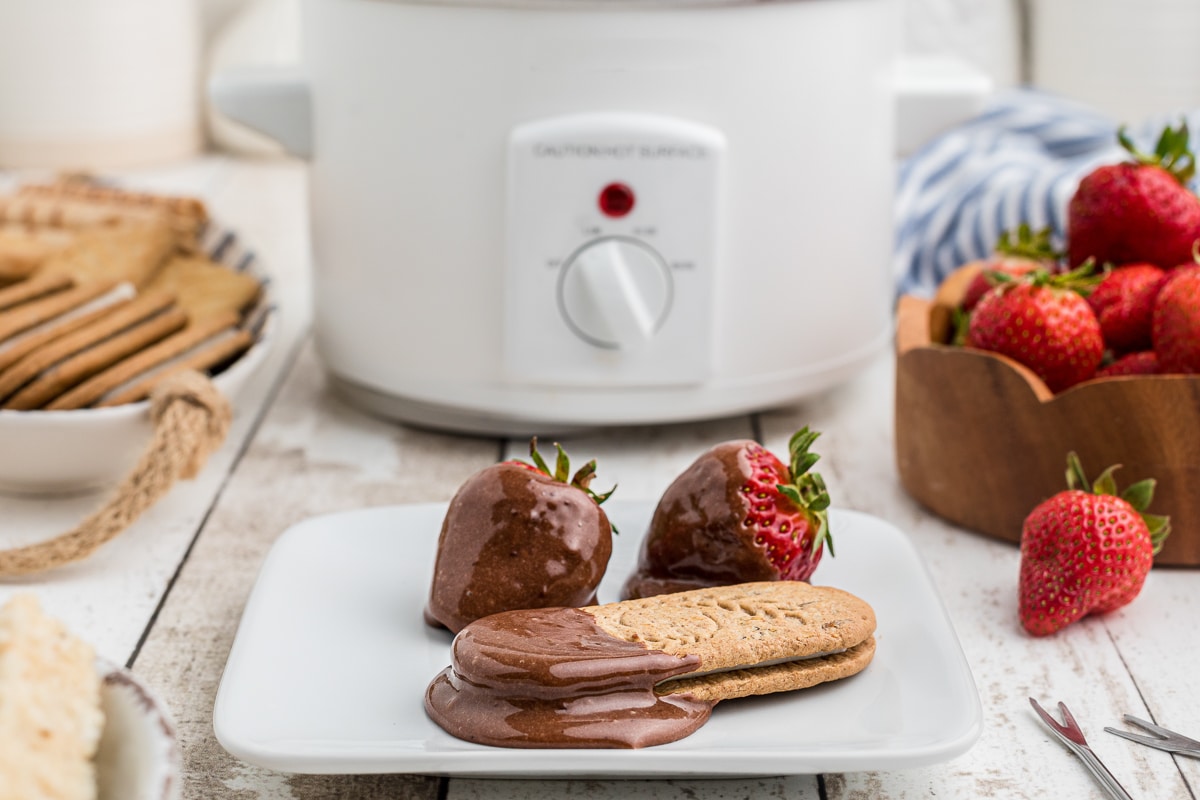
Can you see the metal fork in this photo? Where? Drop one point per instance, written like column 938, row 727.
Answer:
column 1163, row 738
column 1070, row 735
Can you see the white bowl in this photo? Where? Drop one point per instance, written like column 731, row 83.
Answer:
column 59, row 452
column 52, row 452
column 139, row 756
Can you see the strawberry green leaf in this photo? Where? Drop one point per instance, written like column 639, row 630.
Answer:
column 1160, row 528
column 562, row 467
column 1076, row 479
column 1028, row 243
column 538, row 461
column 1106, row 483
column 1172, row 152
column 801, row 459
column 585, row 474
column 1140, row 494
column 791, row 493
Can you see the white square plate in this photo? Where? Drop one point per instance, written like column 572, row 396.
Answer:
column 331, row 660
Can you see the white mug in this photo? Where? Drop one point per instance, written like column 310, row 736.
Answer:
column 96, row 85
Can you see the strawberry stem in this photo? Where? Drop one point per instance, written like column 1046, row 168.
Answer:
column 562, row 469
column 807, row 489
column 1138, row 495
column 1028, row 243
column 1172, row 152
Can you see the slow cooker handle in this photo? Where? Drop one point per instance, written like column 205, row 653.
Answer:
column 272, row 100
column 933, row 93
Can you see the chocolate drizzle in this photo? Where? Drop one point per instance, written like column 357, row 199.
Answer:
column 553, row 678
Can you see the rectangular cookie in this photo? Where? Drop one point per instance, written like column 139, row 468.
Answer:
column 14, row 348
column 211, row 353
column 43, row 308
column 752, row 638
column 76, row 204
column 116, row 320
column 23, row 250
column 141, row 365
column 206, row 288
column 131, row 252
column 55, row 380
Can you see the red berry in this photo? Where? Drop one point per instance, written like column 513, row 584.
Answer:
column 1137, row 211
column 1176, row 326
column 1124, row 305
column 1086, row 550
column 1051, row 330
column 1143, row 362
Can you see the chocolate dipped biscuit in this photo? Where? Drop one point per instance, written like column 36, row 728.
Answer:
column 643, row 672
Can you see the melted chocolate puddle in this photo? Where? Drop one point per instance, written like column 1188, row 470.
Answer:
column 553, row 678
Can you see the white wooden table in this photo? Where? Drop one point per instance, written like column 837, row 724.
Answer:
column 165, row 597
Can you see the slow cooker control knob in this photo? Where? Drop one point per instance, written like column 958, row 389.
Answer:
column 615, row 292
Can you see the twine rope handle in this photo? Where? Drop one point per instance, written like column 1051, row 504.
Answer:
column 191, row 419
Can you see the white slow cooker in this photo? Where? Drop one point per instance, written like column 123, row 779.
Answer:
column 539, row 215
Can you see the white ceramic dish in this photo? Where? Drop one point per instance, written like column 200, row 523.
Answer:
column 47, row 452
column 139, row 757
column 331, row 660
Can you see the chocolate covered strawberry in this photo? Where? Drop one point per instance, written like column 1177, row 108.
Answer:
column 520, row 535
column 1139, row 210
column 1086, row 550
column 736, row 514
column 1044, row 322
column 1176, row 326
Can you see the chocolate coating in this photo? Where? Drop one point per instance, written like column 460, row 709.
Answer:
column 552, row 678
column 513, row 538
column 697, row 536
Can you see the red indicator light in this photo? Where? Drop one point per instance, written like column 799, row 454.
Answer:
column 616, row 200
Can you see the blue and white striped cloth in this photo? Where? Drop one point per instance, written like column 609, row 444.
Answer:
column 1017, row 162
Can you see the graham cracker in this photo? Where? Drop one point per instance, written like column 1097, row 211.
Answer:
column 67, row 373
column 131, row 252
column 736, row 628
column 23, row 250
column 44, row 309
column 77, row 204
column 117, row 318
column 203, row 358
column 156, row 355
column 18, row 347
column 785, row 677
column 40, row 286
column 206, row 288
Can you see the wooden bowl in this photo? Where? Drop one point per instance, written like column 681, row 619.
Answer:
column 981, row 440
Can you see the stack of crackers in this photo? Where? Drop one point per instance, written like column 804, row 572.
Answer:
column 104, row 292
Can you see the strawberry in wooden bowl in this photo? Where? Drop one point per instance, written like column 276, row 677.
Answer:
column 1102, row 365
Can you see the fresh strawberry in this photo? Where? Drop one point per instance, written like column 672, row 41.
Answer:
column 1139, row 210
column 1086, row 550
column 519, row 535
column 1124, row 304
column 1015, row 255
column 1143, row 362
column 737, row 514
column 1042, row 321
column 1176, row 328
